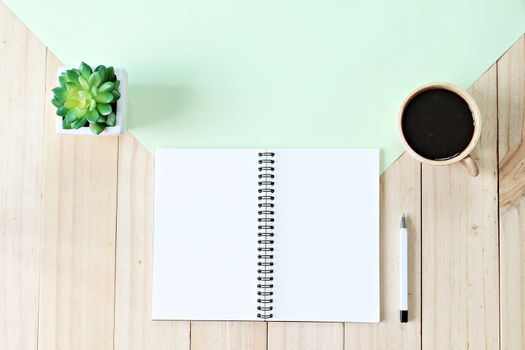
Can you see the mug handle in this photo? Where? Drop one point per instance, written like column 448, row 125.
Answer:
column 470, row 166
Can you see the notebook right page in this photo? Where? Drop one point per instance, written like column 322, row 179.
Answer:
column 326, row 235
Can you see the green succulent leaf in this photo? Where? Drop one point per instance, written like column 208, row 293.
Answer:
column 65, row 125
column 92, row 105
column 72, row 86
column 103, row 108
column 92, row 116
column 56, row 102
column 95, row 79
column 72, row 76
column 62, row 79
column 60, row 93
column 85, row 70
column 71, row 116
column 62, row 111
column 83, row 83
column 116, row 95
column 97, row 128
column 81, row 112
column 117, row 83
column 107, row 86
column 84, row 94
column 111, row 74
column 71, row 103
column 103, row 72
column 102, row 119
column 111, row 120
column 79, row 123
column 104, row 97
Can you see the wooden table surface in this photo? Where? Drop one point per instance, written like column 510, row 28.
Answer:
column 76, row 233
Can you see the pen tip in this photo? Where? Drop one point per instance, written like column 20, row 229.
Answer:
column 403, row 221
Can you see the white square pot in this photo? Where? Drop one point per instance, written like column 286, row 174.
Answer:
column 121, row 115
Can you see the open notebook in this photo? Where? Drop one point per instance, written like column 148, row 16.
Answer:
column 266, row 234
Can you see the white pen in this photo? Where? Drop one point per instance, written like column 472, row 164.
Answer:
column 403, row 271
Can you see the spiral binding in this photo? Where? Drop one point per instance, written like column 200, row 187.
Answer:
column 265, row 235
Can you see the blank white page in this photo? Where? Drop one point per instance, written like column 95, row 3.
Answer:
column 205, row 243
column 326, row 235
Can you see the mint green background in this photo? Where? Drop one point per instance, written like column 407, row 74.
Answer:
column 276, row 73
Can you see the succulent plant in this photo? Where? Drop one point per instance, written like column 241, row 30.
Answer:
column 87, row 97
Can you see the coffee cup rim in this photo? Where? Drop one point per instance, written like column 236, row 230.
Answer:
column 476, row 116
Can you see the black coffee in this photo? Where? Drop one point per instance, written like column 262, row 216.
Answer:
column 437, row 124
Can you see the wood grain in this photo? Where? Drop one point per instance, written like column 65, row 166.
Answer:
column 400, row 193
column 22, row 81
column 228, row 335
column 460, row 242
column 511, row 148
column 78, row 243
column 134, row 328
column 305, row 336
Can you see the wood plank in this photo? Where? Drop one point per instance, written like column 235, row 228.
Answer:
column 22, row 80
column 460, row 242
column 511, row 107
column 78, row 256
column 134, row 328
column 400, row 193
column 228, row 335
column 305, row 336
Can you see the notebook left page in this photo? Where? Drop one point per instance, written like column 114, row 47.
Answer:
column 205, row 235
